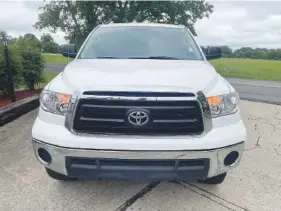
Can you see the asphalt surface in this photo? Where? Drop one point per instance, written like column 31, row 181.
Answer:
column 253, row 90
column 254, row 186
column 57, row 68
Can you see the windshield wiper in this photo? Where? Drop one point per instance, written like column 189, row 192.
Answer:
column 149, row 57
column 155, row 57
column 107, row 57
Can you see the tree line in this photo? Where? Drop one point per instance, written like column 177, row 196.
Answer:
column 45, row 44
column 250, row 53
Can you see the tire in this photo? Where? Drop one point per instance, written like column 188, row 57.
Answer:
column 58, row 176
column 214, row 180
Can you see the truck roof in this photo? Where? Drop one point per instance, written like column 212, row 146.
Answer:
column 141, row 24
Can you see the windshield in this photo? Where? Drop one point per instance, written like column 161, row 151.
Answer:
column 141, row 42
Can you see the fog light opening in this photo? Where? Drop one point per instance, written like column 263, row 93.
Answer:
column 44, row 156
column 231, row 158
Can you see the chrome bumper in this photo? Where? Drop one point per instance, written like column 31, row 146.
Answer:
column 216, row 156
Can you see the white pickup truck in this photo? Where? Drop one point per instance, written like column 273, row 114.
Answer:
column 139, row 101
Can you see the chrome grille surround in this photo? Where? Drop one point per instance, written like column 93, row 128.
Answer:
column 199, row 97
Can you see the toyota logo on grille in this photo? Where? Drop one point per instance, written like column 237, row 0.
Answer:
column 138, row 118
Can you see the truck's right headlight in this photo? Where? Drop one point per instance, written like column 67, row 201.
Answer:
column 54, row 102
column 223, row 105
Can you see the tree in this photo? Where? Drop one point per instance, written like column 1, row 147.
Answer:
column 29, row 42
column 4, row 34
column 77, row 19
column 32, row 69
column 16, row 67
column 31, row 60
column 226, row 51
column 259, row 54
column 48, row 44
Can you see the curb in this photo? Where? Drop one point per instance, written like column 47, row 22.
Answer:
column 10, row 112
column 256, row 100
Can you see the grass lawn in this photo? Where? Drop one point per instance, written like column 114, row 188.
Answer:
column 249, row 68
column 48, row 77
column 228, row 67
column 55, row 58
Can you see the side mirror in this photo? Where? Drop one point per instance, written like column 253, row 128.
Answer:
column 213, row 52
column 69, row 50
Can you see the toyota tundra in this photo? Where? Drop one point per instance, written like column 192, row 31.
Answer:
column 139, row 101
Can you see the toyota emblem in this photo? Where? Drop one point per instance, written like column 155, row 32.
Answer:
column 138, row 118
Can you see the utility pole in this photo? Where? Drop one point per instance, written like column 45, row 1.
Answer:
column 9, row 71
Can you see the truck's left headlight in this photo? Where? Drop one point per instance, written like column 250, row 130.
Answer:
column 54, row 102
column 222, row 105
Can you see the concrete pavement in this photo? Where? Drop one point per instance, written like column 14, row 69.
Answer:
column 255, row 185
column 254, row 90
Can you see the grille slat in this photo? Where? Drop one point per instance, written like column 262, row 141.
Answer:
column 139, row 106
column 175, row 120
column 111, row 116
column 101, row 120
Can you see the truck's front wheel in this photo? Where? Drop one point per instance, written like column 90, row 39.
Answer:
column 58, row 176
column 214, row 180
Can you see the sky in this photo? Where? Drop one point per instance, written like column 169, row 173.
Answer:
column 233, row 23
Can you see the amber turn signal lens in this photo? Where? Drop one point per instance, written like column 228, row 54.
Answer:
column 214, row 100
column 63, row 98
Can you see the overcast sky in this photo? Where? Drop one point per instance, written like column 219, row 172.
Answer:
column 233, row 23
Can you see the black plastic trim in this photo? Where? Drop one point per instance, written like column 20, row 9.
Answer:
column 89, row 168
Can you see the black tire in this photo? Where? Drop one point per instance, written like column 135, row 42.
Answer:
column 58, row 176
column 214, row 180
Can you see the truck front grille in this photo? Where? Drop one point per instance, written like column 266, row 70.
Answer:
column 110, row 116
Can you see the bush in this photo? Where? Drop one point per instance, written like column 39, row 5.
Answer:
column 16, row 67
column 32, row 69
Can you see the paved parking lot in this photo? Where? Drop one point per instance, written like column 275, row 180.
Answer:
column 255, row 185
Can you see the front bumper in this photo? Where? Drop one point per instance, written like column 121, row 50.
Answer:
column 178, row 164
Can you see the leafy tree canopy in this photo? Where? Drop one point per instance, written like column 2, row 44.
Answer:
column 29, row 42
column 77, row 19
column 48, row 44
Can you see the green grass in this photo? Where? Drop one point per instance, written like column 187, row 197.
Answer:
column 48, row 76
column 249, row 68
column 227, row 67
column 56, row 59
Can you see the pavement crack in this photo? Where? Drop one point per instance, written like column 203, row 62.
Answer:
column 258, row 141
column 276, row 151
column 257, row 144
column 259, row 137
column 259, row 134
column 204, row 194
column 265, row 121
column 137, row 196
column 217, row 196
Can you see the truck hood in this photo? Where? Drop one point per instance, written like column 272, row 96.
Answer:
column 139, row 75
